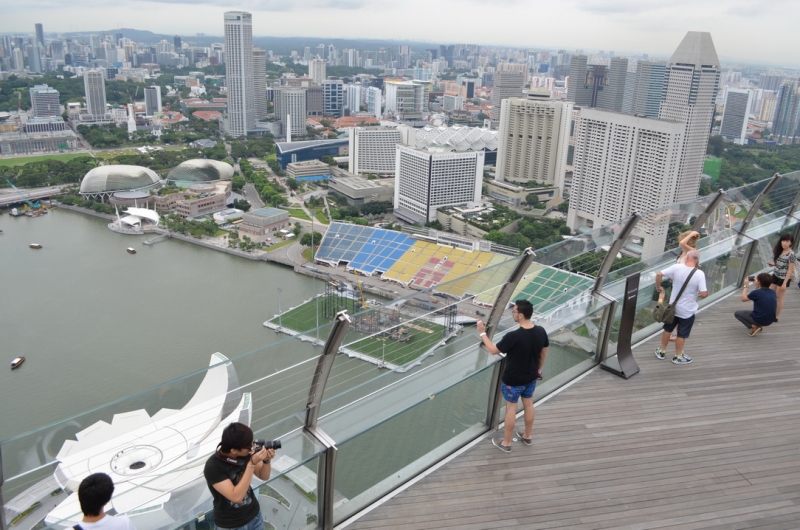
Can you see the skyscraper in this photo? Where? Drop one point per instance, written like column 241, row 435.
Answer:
column 576, row 91
column 291, row 102
column 44, row 101
column 34, row 59
column 353, row 98
column 372, row 149
column 738, row 103
column 333, row 97
column 39, row 35
column 374, row 102
column 95, row 87
column 260, row 83
column 316, row 71
column 649, row 88
column 692, row 82
column 152, row 100
column 787, row 113
column 405, row 99
column 239, row 64
column 19, row 59
column 613, row 94
column 176, row 40
column 508, row 82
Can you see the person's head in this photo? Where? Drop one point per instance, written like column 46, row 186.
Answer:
column 784, row 242
column 94, row 492
column 764, row 280
column 237, row 438
column 693, row 258
column 523, row 309
column 692, row 242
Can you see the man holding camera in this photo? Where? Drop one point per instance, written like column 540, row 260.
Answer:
column 229, row 472
column 765, row 304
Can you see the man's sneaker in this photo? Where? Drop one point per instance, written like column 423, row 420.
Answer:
column 498, row 442
column 681, row 360
column 661, row 354
column 687, row 356
column 526, row 441
column 754, row 331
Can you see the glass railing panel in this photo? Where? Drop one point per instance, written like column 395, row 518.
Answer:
column 374, row 462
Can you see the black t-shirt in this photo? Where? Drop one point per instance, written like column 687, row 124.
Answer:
column 765, row 304
column 522, row 347
column 229, row 514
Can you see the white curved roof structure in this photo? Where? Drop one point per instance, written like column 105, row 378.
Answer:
column 456, row 138
column 201, row 169
column 144, row 213
column 105, row 179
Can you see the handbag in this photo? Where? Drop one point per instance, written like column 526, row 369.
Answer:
column 665, row 312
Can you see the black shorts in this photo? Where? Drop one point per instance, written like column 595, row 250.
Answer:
column 684, row 326
column 779, row 281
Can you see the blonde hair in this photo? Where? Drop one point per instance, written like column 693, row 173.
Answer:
column 692, row 242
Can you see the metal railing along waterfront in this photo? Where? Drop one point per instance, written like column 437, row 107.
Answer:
column 359, row 410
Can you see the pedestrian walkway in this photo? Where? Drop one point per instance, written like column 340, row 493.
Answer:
column 714, row 444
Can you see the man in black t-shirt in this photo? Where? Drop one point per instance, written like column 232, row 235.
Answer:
column 765, row 304
column 228, row 473
column 526, row 350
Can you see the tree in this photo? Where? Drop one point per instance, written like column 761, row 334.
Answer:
column 533, row 200
column 328, row 160
column 716, row 146
column 297, row 229
column 292, row 183
column 435, row 224
column 237, row 183
column 563, row 207
column 306, row 240
column 241, row 204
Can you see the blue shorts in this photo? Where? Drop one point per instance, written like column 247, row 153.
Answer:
column 513, row 393
column 684, row 326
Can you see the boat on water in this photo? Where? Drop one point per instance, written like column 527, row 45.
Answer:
column 131, row 250
column 35, row 245
column 16, row 362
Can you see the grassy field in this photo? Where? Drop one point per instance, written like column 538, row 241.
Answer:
column 298, row 213
column 281, row 244
column 27, row 159
column 321, row 217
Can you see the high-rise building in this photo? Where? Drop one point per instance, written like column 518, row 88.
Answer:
column 425, row 181
column 34, row 59
column 39, row 35
column 738, row 103
column 239, row 75
column 691, row 88
column 316, row 71
column 95, row 88
column 152, row 100
column 576, row 91
column 508, row 82
column 44, row 101
column 647, row 93
column 612, row 95
column 291, row 101
column 372, row 150
column 176, row 41
column 333, row 97
column 315, row 100
column 374, row 102
column 770, row 81
column 260, row 83
column 624, row 164
column 19, row 59
column 534, row 140
column 353, row 98
column 407, row 100
column 786, row 122
column 768, row 104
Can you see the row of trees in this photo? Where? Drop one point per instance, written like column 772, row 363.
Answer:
column 206, row 227
column 531, row 232
column 47, row 172
column 271, row 192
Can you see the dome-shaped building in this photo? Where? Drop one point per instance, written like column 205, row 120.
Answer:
column 103, row 181
column 201, row 170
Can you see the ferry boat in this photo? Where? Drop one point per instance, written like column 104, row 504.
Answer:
column 16, row 362
column 35, row 245
column 131, row 250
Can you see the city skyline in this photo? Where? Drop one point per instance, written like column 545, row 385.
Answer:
column 622, row 26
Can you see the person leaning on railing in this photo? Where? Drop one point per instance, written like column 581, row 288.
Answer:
column 784, row 262
column 765, row 304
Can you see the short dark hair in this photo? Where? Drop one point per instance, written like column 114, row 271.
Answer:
column 94, row 492
column 236, row 436
column 524, row 308
column 765, row 279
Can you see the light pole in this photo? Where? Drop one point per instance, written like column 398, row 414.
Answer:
column 280, row 313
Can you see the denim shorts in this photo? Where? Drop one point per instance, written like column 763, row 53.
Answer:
column 513, row 393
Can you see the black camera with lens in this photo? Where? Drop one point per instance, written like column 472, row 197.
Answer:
column 751, row 278
column 269, row 444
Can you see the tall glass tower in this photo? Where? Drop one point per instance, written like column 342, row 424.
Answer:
column 239, row 65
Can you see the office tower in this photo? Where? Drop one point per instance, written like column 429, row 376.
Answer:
column 534, row 140
column 39, row 35
column 353, row 98
column 176, row 41
column 630, row 87
column 316, row 71
column 787, row 113
column 372, row 150
column 19, row 59
column 624, row 164
column 94, row 44
column 34, row 59
column 770, row 81
column 446, row 53
column 260, row 83
column 691, row 89
column 291, row 102
column 239, row 76
column 320, row 50
column 44, row 101
column 315, row 100
column 650, row 77
column 768, row 105
column 612, row 95
column 152, row 100
column 95, row 89
column 333, row 97
column 576, row 92
column 738, row 103
column 307, row 53
column 407, row 100
column 508, row 82
column 452, row 101
column 57, row 50
column 425, row 181
column 374, row 102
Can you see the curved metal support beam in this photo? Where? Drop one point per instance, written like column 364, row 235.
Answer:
column 758, row 202
column 793, row 207
column 341, row 322
column 616, row 246
column 508, row 289
column 703, row 217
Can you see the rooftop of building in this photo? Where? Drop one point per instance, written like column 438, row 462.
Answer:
column 286, row 147
column 268, row 212
column 207, row 115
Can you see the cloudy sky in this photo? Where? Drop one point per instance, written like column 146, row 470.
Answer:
column 747, row 30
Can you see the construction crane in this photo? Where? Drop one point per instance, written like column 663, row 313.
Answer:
column 360, row 290
column 33, row 205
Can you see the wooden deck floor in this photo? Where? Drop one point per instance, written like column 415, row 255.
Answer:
column 711, row 445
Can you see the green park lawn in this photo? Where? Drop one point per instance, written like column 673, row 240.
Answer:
column 298, row 213
column 27, row 159
column 321, row 217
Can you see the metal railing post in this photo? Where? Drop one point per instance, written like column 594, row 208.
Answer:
column 793, row 206
column 495, row 396
column 749, row 251
column 325, row 479
column 703, row 217
column 340, row 324
column 2, row 502
column 616, row 246
column 608, row 322
column 758, row 202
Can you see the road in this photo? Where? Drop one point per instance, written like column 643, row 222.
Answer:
column 251, row 194
column 9, row 196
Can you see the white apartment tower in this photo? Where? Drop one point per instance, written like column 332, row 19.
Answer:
column 425, row 181
column 152, row 100
column 624, row 164
column 353, row 99
column 374, row 102
column 407, row 100
column 95, row 87
column 534, row 140
column 373, row 150
column 738, row 103
column 291, row 102
column 239, row 77
column 692, row 81
column 260, row 83
column 45, row 101
column 316, row 71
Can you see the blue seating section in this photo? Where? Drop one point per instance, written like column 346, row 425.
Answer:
column 364, row 248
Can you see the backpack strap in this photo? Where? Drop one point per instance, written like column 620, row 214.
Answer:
column 683, row 287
